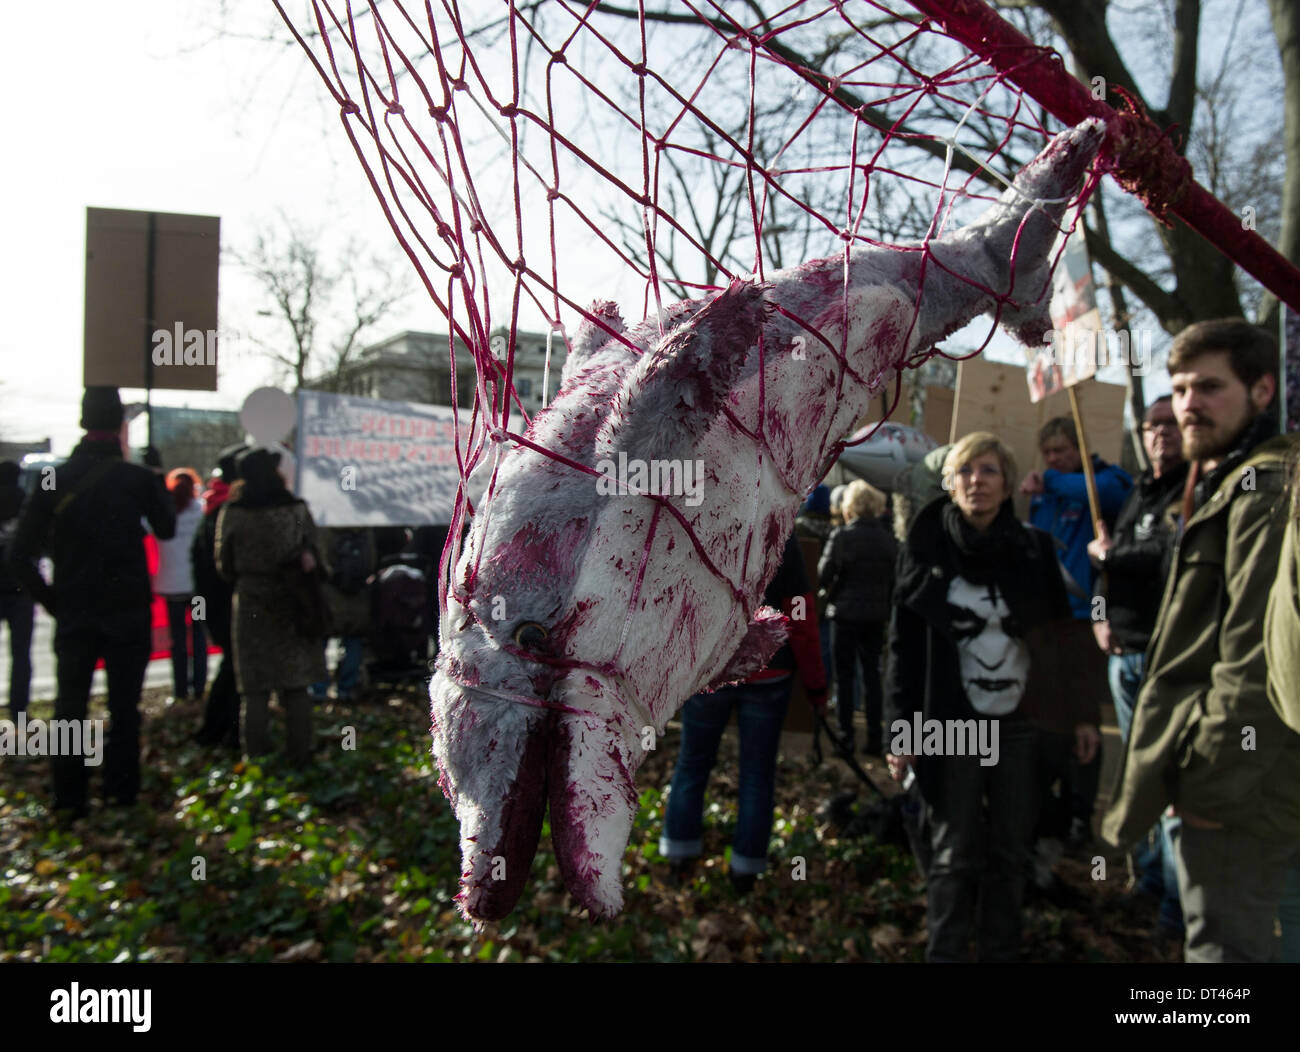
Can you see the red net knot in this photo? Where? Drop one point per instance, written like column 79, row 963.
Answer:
column 1143, row 159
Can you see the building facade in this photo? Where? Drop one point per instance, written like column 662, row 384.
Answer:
column 183, row 436
column 416, row 367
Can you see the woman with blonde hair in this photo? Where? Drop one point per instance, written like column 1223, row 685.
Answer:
column 980, row 610
column 856, row 575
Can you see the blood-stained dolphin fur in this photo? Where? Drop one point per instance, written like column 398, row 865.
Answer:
column 579, row 620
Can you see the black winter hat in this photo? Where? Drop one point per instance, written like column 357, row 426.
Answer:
column 258, row 465
column 101, row 409
column 228, row 462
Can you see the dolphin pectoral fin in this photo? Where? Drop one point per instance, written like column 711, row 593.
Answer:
column 498, row 843
column 762, row 639
column 492, row 768
column 676, row 391
column 593, row 804
column 596, row 748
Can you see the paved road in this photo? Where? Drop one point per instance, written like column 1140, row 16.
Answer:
column 159, row 673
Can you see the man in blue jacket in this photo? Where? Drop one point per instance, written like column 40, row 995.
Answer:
column 1060, row 507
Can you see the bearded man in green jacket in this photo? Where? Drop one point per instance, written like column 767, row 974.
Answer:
column 1205, row 736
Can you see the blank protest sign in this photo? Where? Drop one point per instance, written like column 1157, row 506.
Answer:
column 117, row 340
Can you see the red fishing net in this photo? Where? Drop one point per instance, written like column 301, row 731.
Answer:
column 532, row 158
column 540, row 161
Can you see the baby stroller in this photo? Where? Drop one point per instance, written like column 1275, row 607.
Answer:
column 400, row 642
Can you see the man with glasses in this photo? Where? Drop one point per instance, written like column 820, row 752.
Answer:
column 1134, row 564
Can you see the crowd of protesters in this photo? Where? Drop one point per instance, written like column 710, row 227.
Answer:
column 241, row 563
column 1175, row 598
column 1177, row 601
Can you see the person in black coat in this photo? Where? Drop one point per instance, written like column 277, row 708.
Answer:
column 90, row 523
column 221, row 713
column 1135, row 565
column 16, row 605
column 977, row 654
column 856, row 576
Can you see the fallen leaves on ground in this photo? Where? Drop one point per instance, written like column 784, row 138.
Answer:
column 356, row 859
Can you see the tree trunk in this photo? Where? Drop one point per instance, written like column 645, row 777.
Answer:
column 1286, row 28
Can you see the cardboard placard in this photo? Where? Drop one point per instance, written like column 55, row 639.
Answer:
column 993, row 396
column 176, row 348
column 1076, row 341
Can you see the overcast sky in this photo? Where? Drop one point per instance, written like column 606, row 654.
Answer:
column 144, row 104
column 164, row 106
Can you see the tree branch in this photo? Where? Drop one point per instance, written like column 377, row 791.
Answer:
column 805, row 68
column 1166, row 307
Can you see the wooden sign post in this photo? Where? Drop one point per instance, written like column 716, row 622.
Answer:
column 1094, row 504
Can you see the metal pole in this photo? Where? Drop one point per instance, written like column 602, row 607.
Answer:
column 151, row 264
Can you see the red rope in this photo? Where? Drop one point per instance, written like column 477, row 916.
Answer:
column 540, row 82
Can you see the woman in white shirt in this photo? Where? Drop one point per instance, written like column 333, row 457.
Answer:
column 174, row 581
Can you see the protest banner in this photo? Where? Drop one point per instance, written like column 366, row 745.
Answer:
column 369, row 462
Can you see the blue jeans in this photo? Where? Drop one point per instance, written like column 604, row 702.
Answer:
column 1157, row 874
column 349, row 668
column 761, row 711
column 177, row 607
column 20, row 613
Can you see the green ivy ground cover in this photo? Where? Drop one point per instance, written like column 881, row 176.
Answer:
column 357, row 860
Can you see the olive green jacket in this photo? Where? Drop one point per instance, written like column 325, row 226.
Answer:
column 1205, row 736
column 1282, row 631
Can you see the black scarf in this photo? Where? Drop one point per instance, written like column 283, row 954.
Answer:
column 984, row 558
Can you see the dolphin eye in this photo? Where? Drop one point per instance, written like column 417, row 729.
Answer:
column 530, row 635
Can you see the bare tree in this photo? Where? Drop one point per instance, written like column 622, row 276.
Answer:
column 309, row 294
column 1190, row 279
column 713, row 193
column 1286, row 30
